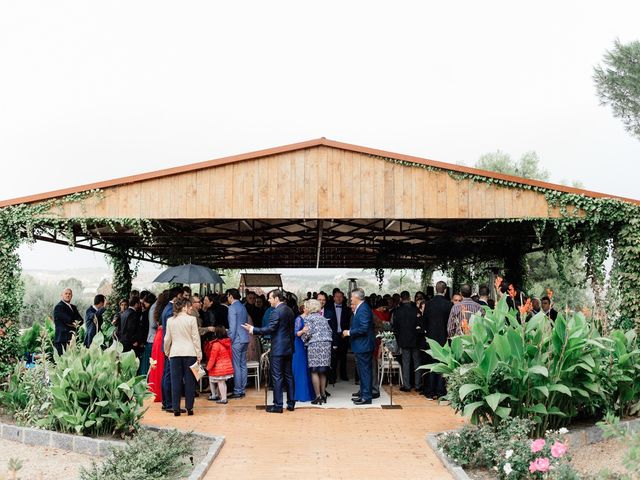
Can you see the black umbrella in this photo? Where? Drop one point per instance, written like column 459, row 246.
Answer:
column 189, row 274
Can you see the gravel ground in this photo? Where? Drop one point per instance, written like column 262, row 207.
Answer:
column 41, row 463
column 599, row 456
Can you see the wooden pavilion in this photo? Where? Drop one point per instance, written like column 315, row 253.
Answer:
column 319, row 203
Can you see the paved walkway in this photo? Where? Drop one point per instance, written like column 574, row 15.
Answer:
column 319, row 444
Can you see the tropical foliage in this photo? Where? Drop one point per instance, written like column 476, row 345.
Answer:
column 549, row 372
column 97, row 391
column 89, row 391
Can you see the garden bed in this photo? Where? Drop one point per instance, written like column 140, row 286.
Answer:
column 590, row 453
column 206, row 447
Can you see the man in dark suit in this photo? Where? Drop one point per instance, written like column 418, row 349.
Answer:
column 545, row 302
column 65, row 316
column 280, row 328
column 407, row 330
column 362, row 344
column 483, row 295
column 130, row 325
column 93, row 319
column 339, row 316
column 436, row 318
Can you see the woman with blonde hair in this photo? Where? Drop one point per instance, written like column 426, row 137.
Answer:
column 317, row 336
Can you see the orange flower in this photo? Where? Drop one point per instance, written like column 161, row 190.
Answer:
column 526, row 308
column 464, row 326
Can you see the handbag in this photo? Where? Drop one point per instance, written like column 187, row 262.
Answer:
column 197, row 371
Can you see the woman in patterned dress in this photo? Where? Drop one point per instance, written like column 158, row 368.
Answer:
column 317, row 336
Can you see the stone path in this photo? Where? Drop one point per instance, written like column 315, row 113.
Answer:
column 316, row 443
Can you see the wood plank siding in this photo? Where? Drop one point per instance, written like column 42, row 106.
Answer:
column 316, row 182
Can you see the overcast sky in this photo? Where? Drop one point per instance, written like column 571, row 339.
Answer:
column 94, row 90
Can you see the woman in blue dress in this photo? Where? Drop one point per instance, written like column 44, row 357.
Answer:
column 302, row 379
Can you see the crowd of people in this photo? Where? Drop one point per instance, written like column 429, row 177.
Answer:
column 177, row 333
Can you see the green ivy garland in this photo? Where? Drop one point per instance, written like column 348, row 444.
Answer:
column 120, row 261
column 19, row 224
column 600, row 225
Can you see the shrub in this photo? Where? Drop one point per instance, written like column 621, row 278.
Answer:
column 147, row 455
column 9, row 345
column 13, row 397
column 508, row 451
column 96, row 391
column 27, row 396
column 546, row 371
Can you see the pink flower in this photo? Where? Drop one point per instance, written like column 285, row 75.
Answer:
column 558, row 449
column 533, row 466
column 543, row 464
column 537, row 445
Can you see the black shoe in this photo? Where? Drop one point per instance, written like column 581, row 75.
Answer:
column 189, row 412
column 375, row 395
column 324, row 398
column 273, row 409
column 176, row 413
column 213, row 398
column 327, row 394
column 356, row 395
column 291, row 408
column 405, row 389
column 362, row 402
column 222, row 402
column 164, row 408
column 355, row 400
column 236, row 395
column 317, row 401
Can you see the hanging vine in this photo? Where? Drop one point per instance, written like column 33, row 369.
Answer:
column 20, row 224
column 601, row 225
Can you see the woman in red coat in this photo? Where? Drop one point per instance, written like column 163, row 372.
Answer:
column 220, row 366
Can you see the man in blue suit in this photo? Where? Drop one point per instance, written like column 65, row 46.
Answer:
column 362, row 344
column 239, row 342
column 93, row 319
column 280, row 327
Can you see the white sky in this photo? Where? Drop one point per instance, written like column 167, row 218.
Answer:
column 94, row 90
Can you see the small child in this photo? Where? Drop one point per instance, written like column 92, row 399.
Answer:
column 220, row 366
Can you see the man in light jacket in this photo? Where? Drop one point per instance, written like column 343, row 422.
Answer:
column 239, row 342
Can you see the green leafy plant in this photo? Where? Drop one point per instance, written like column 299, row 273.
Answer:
column 148, row 455
column 9, row 345
column 96, row 391
column 546, row 371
